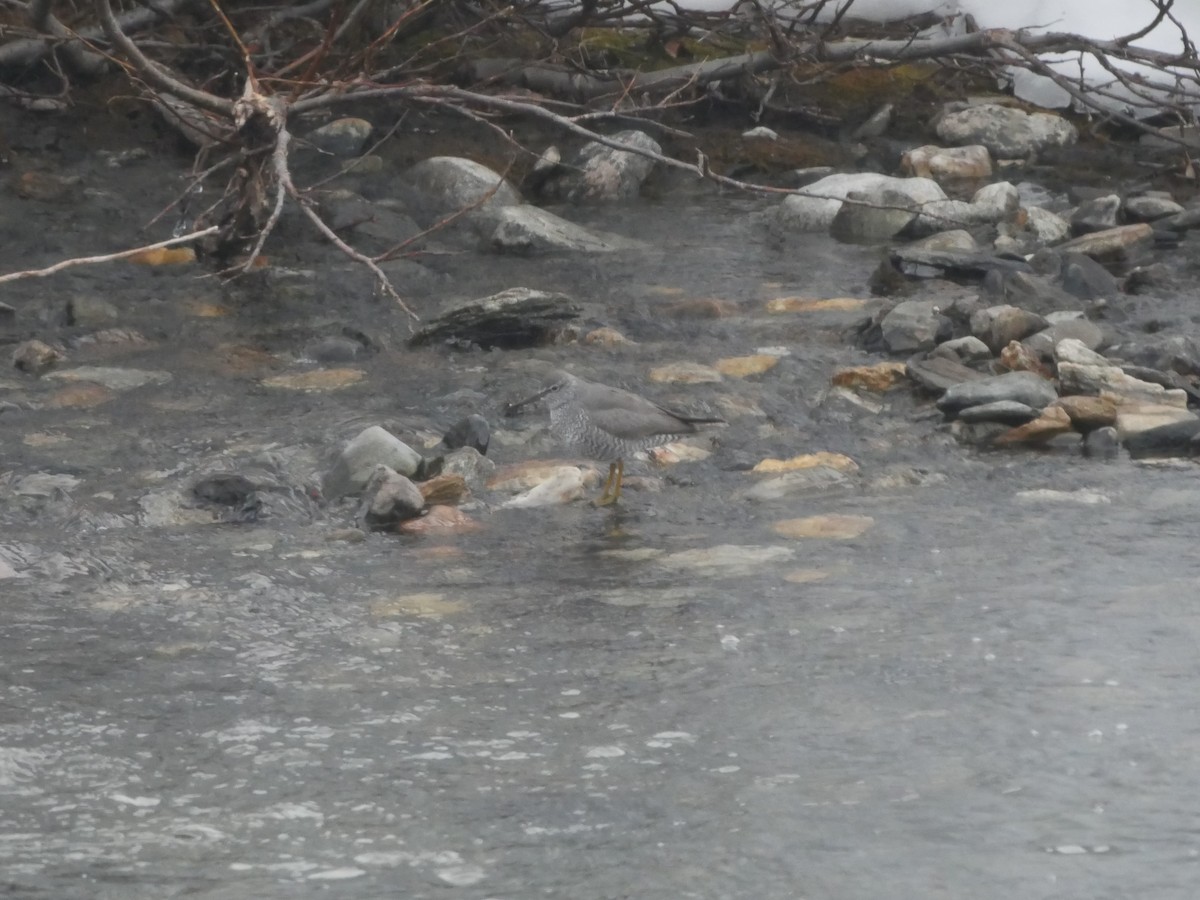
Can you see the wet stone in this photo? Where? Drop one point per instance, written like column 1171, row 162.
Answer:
column 525, row 230
column 802, row 481
column 1111, row 243
column 441, row 520
column 872, row 218
column 87, row 311
column 600, row 172
column 1089, row 413
column 1047, row 227
column 357, row 461
column 879, row 378
column 388, row 499
column 1095, row 215
column 468, row 462
column 1021, row 387
column 968, row 349
column 1045, row 341
column 515, row 318
column 1150, row 209
column 1019, row 358
column 335, row 350
column 839, row 527
column 931, row 161
column 344, row 137
column 564, row 484
column 685, row 373
column 1053, row 422
column 1006, row 412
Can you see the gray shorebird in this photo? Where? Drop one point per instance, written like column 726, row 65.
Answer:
column 607, row 423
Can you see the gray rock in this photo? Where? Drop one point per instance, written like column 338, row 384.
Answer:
column 1047, row 227
column 603, row 173
column 913, row 325
column 938, row 373
column 964, row 348
column 1083, row 277
column 388, row 499
column 814, row 208
column 1019, row 387
column 919, row 262
column 531, row 229
column 872, row 218
column 991, row 204
column 345, row 137
column 1005, row 412
column 518, row 317
column 470, row 464
column 1169, row 353
column 373, row 228
column 445, row 185
column 1098, row 214
column 1150, row 209
column 1044, row 342
column 1111, row 243
column 335, row 350
column 1007, row 132
column 372, row 447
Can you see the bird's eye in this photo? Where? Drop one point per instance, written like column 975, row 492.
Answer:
column 555, row 387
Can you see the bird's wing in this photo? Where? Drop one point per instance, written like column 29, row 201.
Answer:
column 631, row 417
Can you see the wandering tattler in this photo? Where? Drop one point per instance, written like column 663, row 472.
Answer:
column 607, row 423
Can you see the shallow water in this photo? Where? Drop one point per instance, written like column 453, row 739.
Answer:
column 983, row 695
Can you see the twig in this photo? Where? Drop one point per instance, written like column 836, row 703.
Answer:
column 107, row 257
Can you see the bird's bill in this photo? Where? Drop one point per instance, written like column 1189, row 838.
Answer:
column 514, row 409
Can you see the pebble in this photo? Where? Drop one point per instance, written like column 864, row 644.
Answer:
column 1078, row 378
column 566, row 483
column 747, row 366
column 473, row 431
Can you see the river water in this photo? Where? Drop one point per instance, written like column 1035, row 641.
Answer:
column 988, row 693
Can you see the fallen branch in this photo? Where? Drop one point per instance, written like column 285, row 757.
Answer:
column 108, row 257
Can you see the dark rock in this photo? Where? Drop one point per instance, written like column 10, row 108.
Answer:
column 1021, row 387
column 512, row 319
column 225, row 489
column 1151, row 279
column 1174, row 439
column 335, row 350
column 1085, row 278
column 1174, row 353
column 1005, row 412
column 1096, row 215
column 87, row 311
column 1189, row 218
column 473, row 431
column 388, row 499
column 916, row 262
column 1010, row 323
column 1028, row 291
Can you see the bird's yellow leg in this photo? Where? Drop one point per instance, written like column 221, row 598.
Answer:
column 606, row 497
column 620, row 478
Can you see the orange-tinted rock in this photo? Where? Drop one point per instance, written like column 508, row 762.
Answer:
column 813, row 304
column 880, row 377
column 1016, row 357
column 440, row 520
column 1050, row 424
column 444, row 489
column 1088, row 413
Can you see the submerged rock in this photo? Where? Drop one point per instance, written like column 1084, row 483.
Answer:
column 358, row 460
column 600, row 172
column 515, row 318
column 388, row 499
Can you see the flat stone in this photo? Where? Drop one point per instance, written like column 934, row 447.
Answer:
column 441, row 520
column 939, row 373
column 1101, row 379
column 803, row 481
column 1109, row 243
column 316, row 380
column 527, row 475
column 565, row 484
column 747, row 366
column 838, row 527
column 1050, row 424
column 836, row 461
column 525, row 230
column 1006, row 412
column 1168, row 430
column 726, row 560
column 1021, row 387
column 955, row 239
column 813, row 304
column 113, row 379
column 685, row 373
column 1150, row 209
